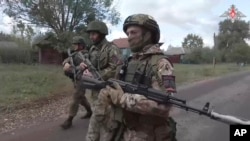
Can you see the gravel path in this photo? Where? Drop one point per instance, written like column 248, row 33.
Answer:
column 35, row 114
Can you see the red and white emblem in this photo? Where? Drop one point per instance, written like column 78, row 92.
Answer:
column 233, row 14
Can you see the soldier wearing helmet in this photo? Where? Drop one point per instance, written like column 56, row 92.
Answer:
column 106, row 57
column 79, row 42
column 142, row 119
column 79, row 51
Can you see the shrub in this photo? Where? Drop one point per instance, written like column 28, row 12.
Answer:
column 199, row 56
column 18, row 56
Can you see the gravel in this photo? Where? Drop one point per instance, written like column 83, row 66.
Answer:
column 34, row 114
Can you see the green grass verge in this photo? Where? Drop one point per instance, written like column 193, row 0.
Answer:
column 22, row 84
column 189, row 73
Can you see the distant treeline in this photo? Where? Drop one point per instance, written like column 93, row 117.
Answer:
column 18, row 56
column 5, row 37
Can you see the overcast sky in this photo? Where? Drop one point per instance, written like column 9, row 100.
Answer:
column 176, row 18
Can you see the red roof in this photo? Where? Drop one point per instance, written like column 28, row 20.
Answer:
column 121, row 42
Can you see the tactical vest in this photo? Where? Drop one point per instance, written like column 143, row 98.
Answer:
column 77, row 58
column 100, row 58
column 148, row 68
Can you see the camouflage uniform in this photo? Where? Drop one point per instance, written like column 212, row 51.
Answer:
column 105, row 57
column 142, row 119
column 79, row 94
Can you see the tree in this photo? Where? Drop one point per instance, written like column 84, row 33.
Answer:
column 62, row 16
column 21, row 26
column 29, row 32
column 5, row 37
column 199, row 56
column 240, row 53
column 192, row 41
column 231, row 33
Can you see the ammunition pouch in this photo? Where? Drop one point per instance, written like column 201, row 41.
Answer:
column 140, row 78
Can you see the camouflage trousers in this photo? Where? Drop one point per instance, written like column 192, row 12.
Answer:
column 77, row 99
column 103, row 125
column 107, row 131
column 94, row 128
column 159, row 133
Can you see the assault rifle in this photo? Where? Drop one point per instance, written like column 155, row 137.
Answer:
column 71, row 61
column 91, row 68
column 86, row 61
column 161, row 97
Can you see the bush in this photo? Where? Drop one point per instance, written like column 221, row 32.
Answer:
column 239, row 53
column 18, row 56
column 199, row 56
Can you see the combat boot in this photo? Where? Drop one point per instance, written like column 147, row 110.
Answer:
column 67, row 123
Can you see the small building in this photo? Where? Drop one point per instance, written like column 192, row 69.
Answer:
column 175, row 54
column 123, row 44
column 47, row 53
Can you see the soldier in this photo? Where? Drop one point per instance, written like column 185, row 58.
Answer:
column 105, row 56
column 79, row 48
column 143, row 119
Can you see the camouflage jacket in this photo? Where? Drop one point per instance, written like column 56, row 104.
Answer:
column 157, row 65
column 146, row 120
column 142, row 119
column 105, row 58
column 77, row 59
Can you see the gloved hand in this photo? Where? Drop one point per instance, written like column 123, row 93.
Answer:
column 112, row 95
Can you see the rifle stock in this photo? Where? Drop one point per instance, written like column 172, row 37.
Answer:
column 72, row 64
column 161, row 97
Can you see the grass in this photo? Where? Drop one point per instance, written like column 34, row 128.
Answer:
column 186, row 73
column 22, row 84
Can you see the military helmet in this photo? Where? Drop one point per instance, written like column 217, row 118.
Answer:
column 145, row 21
column 98, row 26
column 78, row 40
